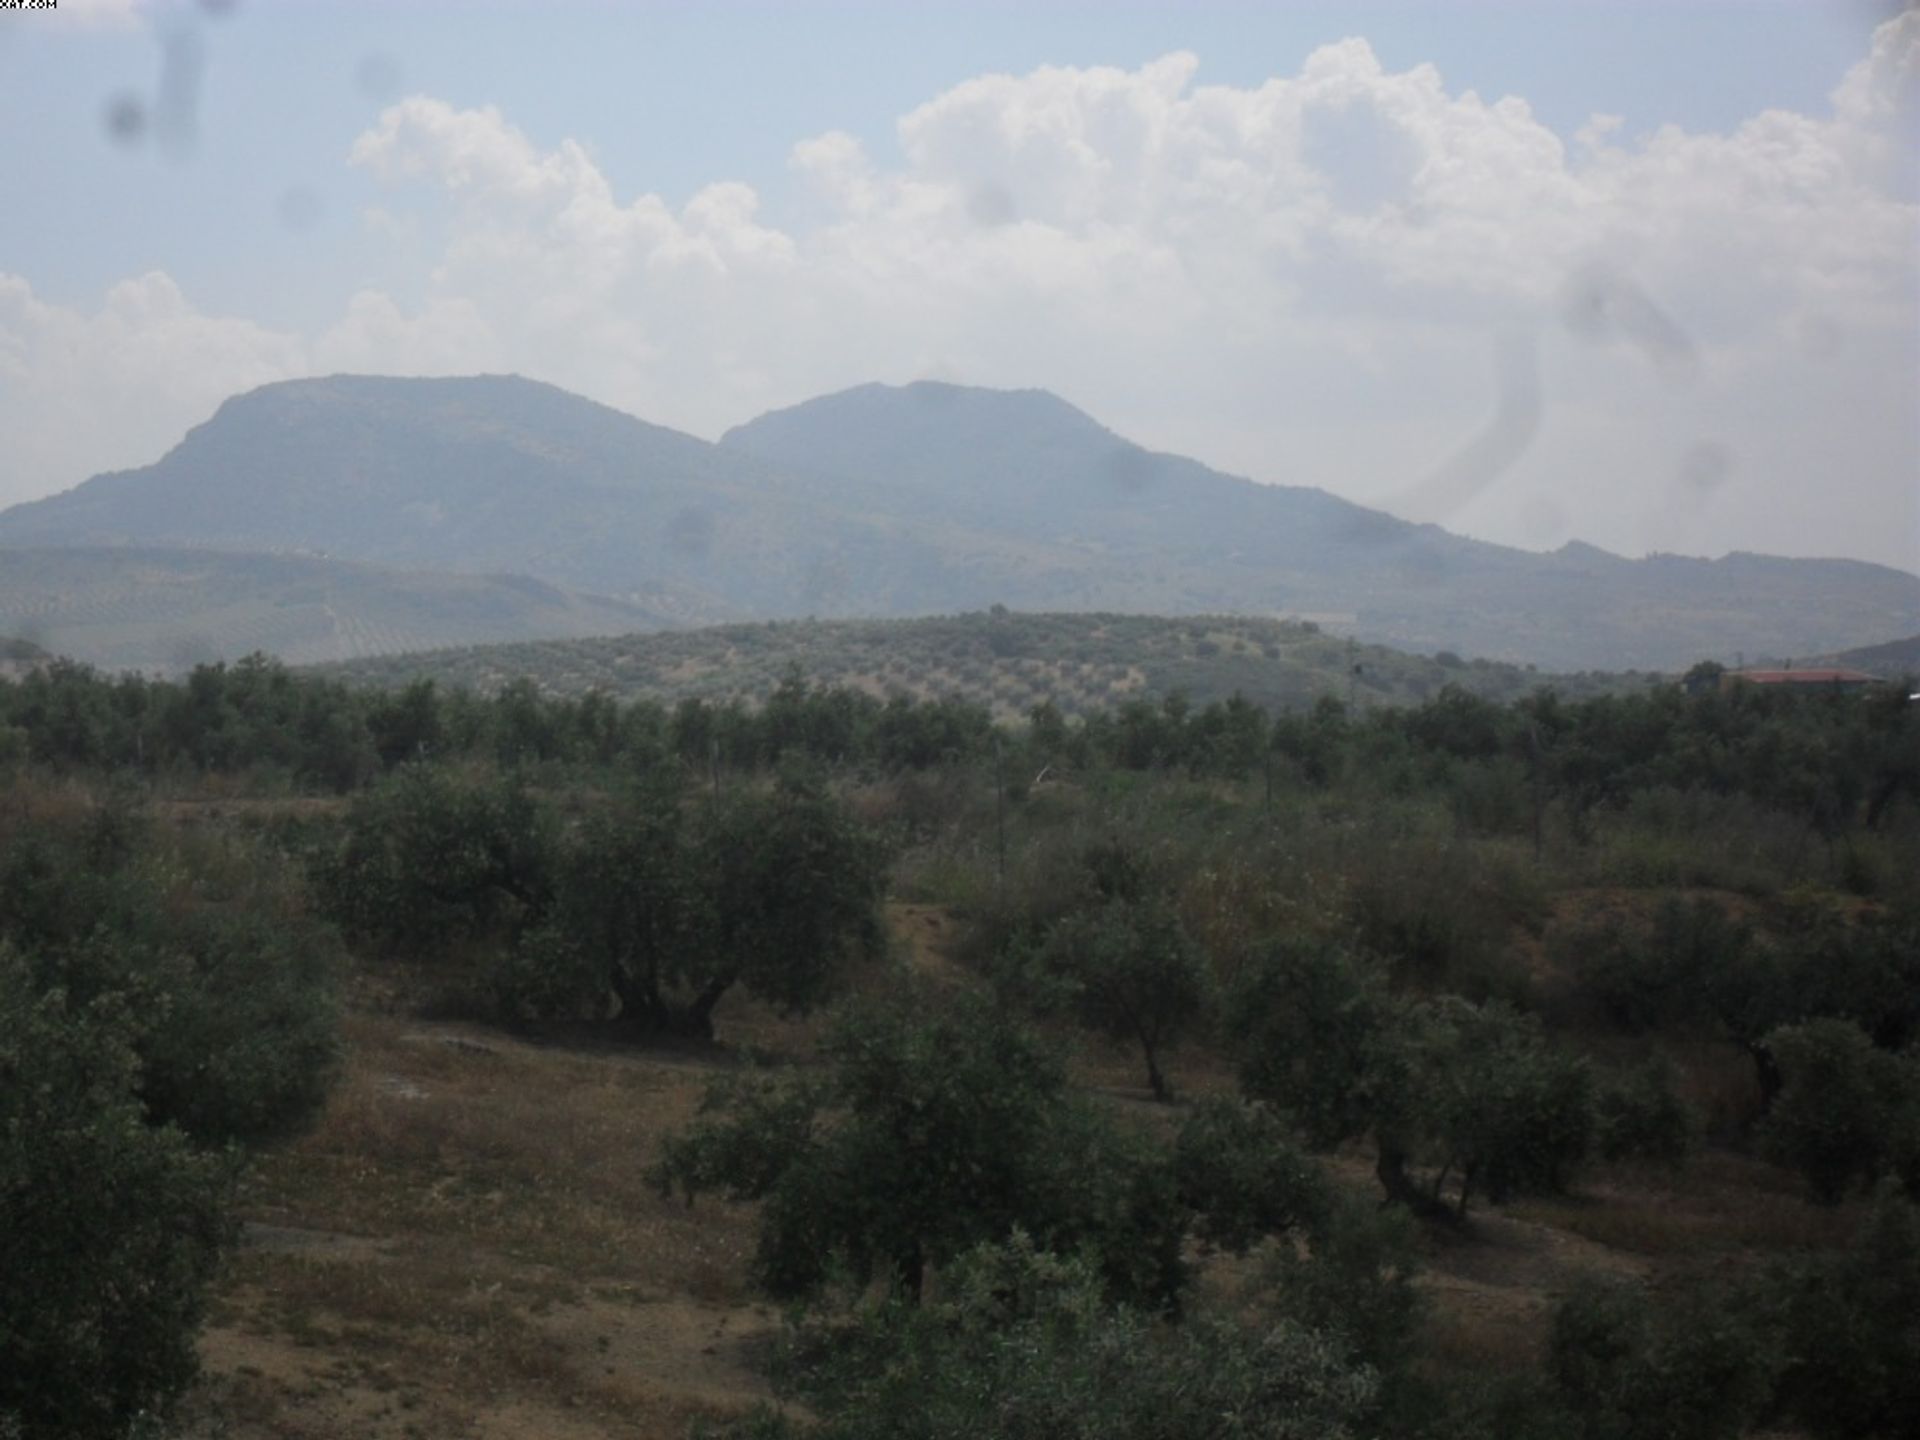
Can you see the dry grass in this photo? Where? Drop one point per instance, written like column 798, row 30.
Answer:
column 466, row 1243
column 538, row 1154
column 1720, row 1207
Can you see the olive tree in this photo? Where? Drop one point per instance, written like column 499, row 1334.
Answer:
column 110, row 1226
column 666, row 911
column 925, row 1137
column 930, row 1133
column 1475, row 1094
column 1846, row 1110
column 1028, row 1346
column 1134, row 974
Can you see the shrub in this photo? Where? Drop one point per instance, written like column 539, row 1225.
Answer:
column 109, row 1226
column 1028, row 1349
column 1691, row 1367
column 1640, row 1116
column 1850, row 1326
column 1135, row 975
column 431, row 860
column 1845, row 1109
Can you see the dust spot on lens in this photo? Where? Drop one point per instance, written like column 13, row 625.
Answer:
column 991, row 204
column 299, row 208
column 1128, row 468
column 378, row 77
column 126, row 120
column 1600, row 304
column 1705, row 467
column 219, row 9
column 690, row 532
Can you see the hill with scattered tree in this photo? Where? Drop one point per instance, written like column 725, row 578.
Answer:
column 1006, row 661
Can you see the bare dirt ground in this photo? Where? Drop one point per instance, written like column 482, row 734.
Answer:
column 467, row 1246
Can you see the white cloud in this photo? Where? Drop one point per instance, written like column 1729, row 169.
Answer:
column 1300, row 280
column 115, row 388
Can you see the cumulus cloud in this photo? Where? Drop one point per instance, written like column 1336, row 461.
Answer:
column 116, row 387
column 1321, row 279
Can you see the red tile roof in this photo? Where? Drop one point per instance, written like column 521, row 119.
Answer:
column 1804, row 677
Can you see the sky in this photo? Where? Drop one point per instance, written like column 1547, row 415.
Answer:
column 1642, row 275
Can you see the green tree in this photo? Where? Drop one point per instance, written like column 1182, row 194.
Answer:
column 1028, row 1347
column 110, row 1226
column 430, row 860
column 791, row 886
column 1475, row 1093
column 929, row 1134
column 1844, row 1109
column 1850, row 1330
column 1135, row 975
column 228, row 982
column 1693, row 1367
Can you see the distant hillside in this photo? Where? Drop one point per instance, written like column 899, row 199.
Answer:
column 148, row 608
column 1178, row 537
column 914, row 500
column 1006, row 660
column 1893, row 659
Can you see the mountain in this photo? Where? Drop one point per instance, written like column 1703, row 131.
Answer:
column 1005, row 660
column 1188, row 538
column 890, row 501
column 149, row 608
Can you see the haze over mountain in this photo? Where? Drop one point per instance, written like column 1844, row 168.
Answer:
column 920, row 499
column 147, row 608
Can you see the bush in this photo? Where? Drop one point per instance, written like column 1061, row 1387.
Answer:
column 110, row 1226
column 1027, row 1348
column 1688, row 1368
column 931, row 1134
column 1135, row 974
column 1473, row 1092
column 1850, row 1326
column 1640, row 1116
column 1844, row 1112
column 1241, row 1176
column 228, row 986
column 432, row 860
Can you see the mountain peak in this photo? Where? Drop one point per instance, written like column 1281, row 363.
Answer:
column 890, row 499
column 922, row 409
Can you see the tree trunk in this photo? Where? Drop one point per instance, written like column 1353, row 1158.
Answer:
column 1161, row 1090
column 1767, row 1070
column 1391, row 1168
column 641, row 1005
column 698, row 1018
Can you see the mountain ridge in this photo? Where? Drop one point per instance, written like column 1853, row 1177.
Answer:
column 910, row 500
column 163, row 608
